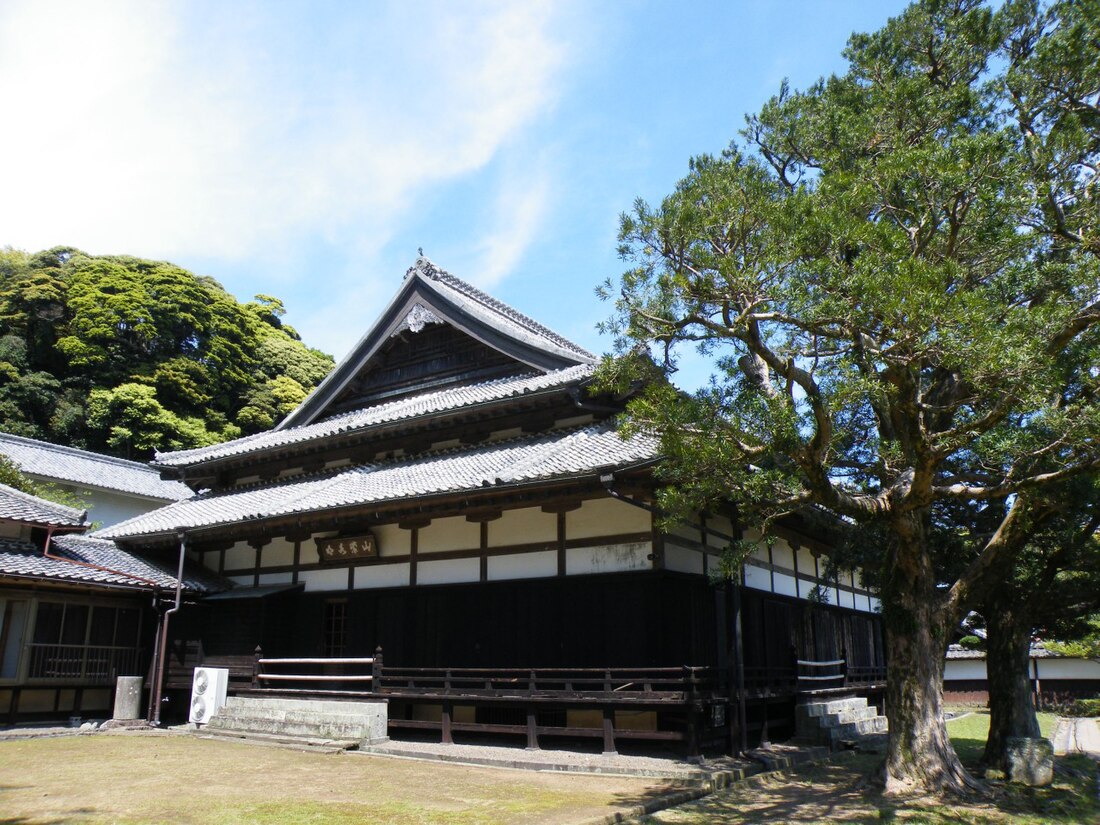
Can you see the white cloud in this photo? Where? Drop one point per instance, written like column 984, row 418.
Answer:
column 236, row 131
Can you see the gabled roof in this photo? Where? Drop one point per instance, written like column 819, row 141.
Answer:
column 68, row 464
column 98, row 562
column 20, row 506
column 404, row 409
column 429, row 295
column 558, row 455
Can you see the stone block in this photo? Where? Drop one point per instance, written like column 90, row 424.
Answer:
column 127, row 698
column 1029, row 761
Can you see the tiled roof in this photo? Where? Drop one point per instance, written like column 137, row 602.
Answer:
column 498, row 309
column 1037, row 651
column 123, row 568
column 415, row 406
column 68, row 464
column 560, row 454
column 19, row 506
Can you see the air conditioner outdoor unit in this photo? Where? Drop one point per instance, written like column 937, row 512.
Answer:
column 208, row 693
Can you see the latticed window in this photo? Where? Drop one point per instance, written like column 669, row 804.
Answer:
column 83, row 641
column 335, row 627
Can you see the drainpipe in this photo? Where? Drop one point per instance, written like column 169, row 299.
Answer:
column 162, row 645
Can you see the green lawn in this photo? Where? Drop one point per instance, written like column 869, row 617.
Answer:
column 968, row 733
column 130, row 779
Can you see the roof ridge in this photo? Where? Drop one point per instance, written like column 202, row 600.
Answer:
column 430, row 270
column 64, row 448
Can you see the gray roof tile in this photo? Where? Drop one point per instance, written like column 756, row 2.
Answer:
column 20, row 506
column 24, row 560
column 416, row 406
column 70, row 465
column 559, row 454
column 496, row 311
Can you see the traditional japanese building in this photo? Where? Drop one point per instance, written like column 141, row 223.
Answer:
column 75, row 612
column 456, row 494
column 112, row 489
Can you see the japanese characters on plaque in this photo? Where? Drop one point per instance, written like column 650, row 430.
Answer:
column 346, row 548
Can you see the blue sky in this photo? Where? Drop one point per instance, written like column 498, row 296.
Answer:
column 307, row 149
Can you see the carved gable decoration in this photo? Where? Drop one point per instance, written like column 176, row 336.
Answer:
column 418, row 318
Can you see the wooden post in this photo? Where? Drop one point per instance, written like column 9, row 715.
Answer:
column 445, row 725
column 609, row 730
column 608, row 717
column 532, row 726
column 376, row 671
column 844, row 666
column 259, row 654
column 741, row 742
column 445, row 719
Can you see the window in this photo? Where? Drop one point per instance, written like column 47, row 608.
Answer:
column 334, row 637
column 84, row 641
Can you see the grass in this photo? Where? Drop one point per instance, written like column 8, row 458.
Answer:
column 842, row 791
column 130, row 779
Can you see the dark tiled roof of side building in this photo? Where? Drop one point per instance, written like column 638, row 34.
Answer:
column 559, row 454
column 99, row 562
column 68, row 465
column 19, row 506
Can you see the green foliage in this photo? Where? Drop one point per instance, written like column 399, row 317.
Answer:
column 894, row 275
column 1087, row 643
column 130, row 356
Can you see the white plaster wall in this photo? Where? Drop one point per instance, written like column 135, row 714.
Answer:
column 723, row 525
column 965, row 669
column 527, row 526
column 244, row 580
column 686, row 531
column 443, row 534
column 240, row 556
column 782, row 556
column 757, row 578
column 611, row 558
column 805, row 563
column 1068, row 668
column 381, row 575
column 785, row 585
column 325, row 579
column 391, row 540
column 448, row 571
column 604, row 517
column 682, row 560
column 309, row 554
column 523, row 565
column 279, row 553
column 106, row 507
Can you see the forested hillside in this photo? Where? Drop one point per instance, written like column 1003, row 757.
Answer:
column 127, row 356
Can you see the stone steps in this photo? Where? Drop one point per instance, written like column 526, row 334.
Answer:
column 300, row 720
column 839, row 721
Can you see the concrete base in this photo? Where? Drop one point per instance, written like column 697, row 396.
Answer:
column 365, row 722
column 1030, row 761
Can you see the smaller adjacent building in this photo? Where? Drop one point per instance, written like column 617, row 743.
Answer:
column 113, row 489
column 1055, row 678
column 75, row 612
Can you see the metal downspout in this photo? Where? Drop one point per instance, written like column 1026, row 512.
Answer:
column 162, row 647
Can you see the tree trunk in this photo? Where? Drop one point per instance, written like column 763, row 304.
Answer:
column 919, row 754
column 1011, row 709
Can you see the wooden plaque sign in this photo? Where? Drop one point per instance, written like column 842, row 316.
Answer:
column 346, row 548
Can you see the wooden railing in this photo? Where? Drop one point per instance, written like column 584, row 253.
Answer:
column 89, row 663
column 341, row 676
column 530, row 701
